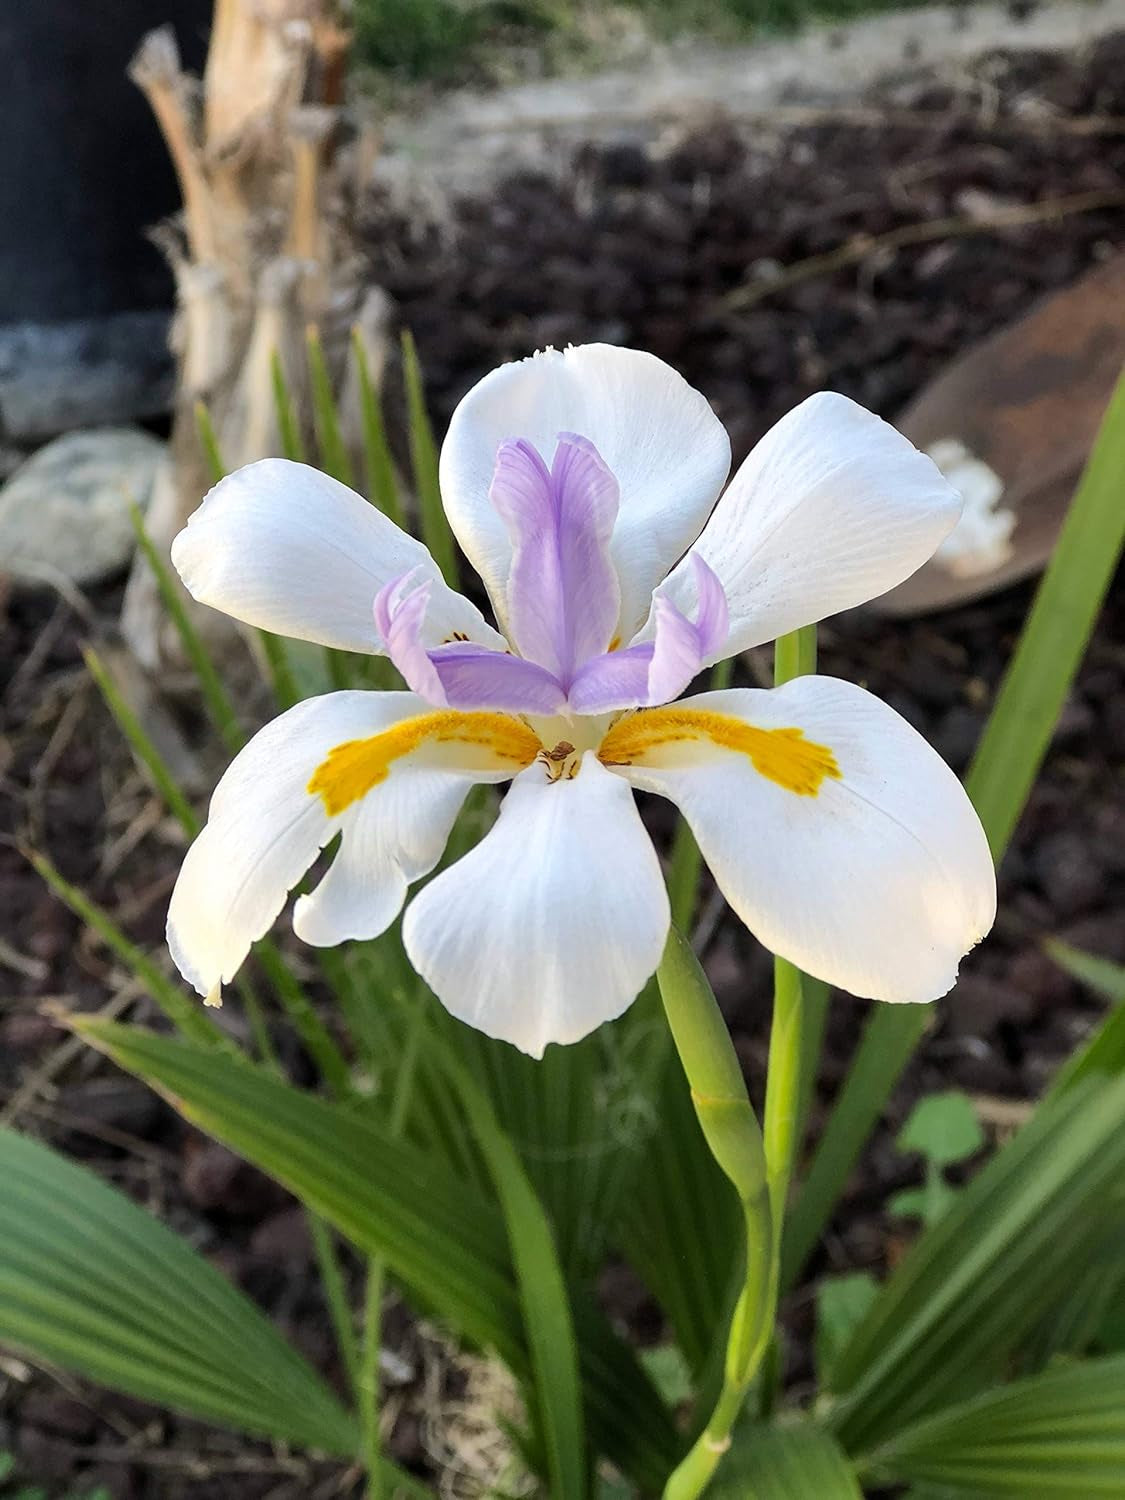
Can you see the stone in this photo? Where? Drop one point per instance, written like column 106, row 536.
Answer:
column 65, row 512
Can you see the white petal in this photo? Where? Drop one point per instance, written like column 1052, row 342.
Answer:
column 283, row 547
column 832, row 508
column 663, row 443
column 393, row 837
column 879, row 882
column 265, row 828
column 554, row 922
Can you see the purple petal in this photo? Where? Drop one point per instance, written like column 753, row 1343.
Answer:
column 477, row 677
column 712, row 615
column 657, row 671
column 459, row 674
column 617, row 680
column 398, row 618
column 563, row 593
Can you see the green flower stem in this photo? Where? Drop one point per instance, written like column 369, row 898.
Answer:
column 730, row 1127
column 783, row 1086
column 758, row 1162
column 686, row 862
column 794, row 656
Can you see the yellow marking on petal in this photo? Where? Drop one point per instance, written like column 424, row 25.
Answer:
column 484, row 741
column 652, row 737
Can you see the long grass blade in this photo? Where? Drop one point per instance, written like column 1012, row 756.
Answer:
column 288, row 431
column 382, row 481
column 141, row 743
column 1105, row 1051
column 219, row 706
column 1102, row 975
column 282, row 680
column 187, row 1016
column 334, row 457
column 424, row 458
column 548, row 1324
column 317, row 1039
column 209, row 441
column 181, row 809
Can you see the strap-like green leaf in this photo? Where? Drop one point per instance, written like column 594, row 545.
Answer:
column 784, row 1463
column 1105, row 1051
column 1060, row 1434
column 91, row 1282
column 439, row 1236
column 1038, row 1215
column 1054, row 638
column 543, row 1296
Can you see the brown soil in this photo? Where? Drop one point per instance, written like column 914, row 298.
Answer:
column 637, row 245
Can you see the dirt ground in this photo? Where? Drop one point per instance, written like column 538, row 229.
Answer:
column 640, row 246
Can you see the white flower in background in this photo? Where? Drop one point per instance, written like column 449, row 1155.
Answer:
column 582, row 486
column 982, row 539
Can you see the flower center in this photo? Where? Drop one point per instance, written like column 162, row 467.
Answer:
column 561, row 763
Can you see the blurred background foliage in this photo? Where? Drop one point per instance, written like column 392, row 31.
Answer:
column 445, row 41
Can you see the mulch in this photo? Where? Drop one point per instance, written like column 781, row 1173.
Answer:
column 646, row 245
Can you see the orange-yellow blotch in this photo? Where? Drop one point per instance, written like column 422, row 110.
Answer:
column 458, row 741
column 665, row 736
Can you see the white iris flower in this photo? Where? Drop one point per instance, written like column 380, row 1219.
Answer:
column 582, row 486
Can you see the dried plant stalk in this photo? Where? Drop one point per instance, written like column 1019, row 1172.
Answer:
column 262, row 247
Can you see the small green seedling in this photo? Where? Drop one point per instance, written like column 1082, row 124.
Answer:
column 669, row 1372
column 943, row 1129
column 842, row 1303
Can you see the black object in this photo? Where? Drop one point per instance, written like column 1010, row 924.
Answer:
column 84, row 296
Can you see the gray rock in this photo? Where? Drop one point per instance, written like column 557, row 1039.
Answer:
column 65, row 512
column 83, row 372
